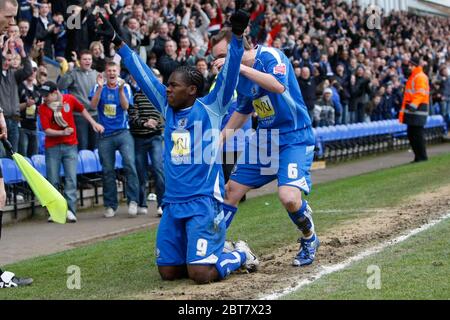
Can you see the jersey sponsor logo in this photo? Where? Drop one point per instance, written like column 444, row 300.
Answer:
column 263, row 107
column 181, row 150
column 110, row 110
column 280, row 69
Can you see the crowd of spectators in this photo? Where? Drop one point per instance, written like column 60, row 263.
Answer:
column 347, row 71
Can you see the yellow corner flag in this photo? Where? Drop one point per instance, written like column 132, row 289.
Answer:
column 46, row 193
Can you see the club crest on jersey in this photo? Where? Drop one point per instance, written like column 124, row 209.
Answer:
column 66, row 107
column 182, row 123
column 280, row 69
column 254, row 91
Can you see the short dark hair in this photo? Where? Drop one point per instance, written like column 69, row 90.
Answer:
column 192, row 77
column 226, row 34
column 200, row 59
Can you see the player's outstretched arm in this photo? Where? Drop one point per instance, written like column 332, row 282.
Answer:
column 221, row 96
column 149, row 84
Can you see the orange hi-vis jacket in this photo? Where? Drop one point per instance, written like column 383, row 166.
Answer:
column 416, row 100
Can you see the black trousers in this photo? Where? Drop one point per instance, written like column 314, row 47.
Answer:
column 416, row 138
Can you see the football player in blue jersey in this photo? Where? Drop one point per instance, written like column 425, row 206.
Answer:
column 268, row 86
column 191, row 234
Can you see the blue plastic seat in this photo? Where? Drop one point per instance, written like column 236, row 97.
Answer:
column 97, row 158
column 11, row 173
column 38, row 161
column 88, row 161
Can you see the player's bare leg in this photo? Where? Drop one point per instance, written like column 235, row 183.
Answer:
column 234, row 192
column 301, row 214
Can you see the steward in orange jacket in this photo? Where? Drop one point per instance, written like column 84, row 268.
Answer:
column 416, row 99
column 415, row 108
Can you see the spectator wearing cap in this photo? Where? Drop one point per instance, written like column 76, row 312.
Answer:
column 9, row 90
column 57, row 119
column 79, row 82
column 29, row 99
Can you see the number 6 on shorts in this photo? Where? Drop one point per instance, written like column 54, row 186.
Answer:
column 292, row 171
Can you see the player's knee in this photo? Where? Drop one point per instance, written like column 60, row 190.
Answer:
column 168, row 274
column 290, row 200
column 232, row 194
column 200, row 276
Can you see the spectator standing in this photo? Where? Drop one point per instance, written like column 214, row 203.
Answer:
column 112, row 101
column 98, row 56
column 308, row 87
column 29, row 99
column 9, row 89
column 445, row 94
column 79, row 82
column 359, row 90
column 170, row 61
column 57, row 119
column 324, row 109
column 146, row 126
column 196, row 34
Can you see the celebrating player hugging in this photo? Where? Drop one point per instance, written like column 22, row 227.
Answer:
column 191, row 233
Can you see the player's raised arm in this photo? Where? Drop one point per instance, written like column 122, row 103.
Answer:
column 147, row 81
column 220, row 97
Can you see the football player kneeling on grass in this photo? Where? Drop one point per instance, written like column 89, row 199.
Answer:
column 191, row 234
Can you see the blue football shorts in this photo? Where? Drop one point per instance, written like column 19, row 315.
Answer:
column 264, row 161
column 191, row 233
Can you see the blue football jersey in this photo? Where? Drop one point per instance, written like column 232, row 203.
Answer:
column 286, row 112
column 110, row 113
column 192, row 135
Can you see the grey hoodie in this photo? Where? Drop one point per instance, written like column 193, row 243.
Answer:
column 80, row 83
column 9, row 87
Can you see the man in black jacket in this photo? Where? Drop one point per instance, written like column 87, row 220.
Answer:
column 308, row 85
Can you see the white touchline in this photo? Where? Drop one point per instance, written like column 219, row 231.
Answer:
column 337, row 267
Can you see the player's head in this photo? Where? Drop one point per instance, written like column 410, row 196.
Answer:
column 184, row 85
column 220, row 42
column 8, row 10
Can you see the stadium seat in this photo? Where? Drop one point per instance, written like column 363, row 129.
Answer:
column 38, row 161
column 89, row 173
